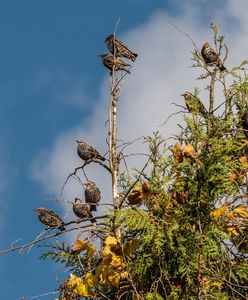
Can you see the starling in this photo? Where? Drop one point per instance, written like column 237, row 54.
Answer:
column 92, row 195
column 211, row 57
column 87, row 152
column 111, row 62
column 118, row 49
column 245, row 122
column 81, row 210
column 50, row 218
column 192, row 102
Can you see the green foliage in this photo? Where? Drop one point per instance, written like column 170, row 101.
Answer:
column 174, row 242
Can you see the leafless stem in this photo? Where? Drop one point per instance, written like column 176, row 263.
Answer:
column 35, row 241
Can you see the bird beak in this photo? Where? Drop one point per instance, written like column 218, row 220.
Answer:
column 100, row 55
column 77, row 141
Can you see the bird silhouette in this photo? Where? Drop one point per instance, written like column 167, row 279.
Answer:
column 50, row 218
column 114, row 63
column 118, row 48
column 87, row 152
column 81, row 210
column 211, row 57
column 194, row 104
column 92, row 195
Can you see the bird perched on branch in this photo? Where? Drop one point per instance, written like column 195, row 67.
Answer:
column 117, row 48
column 111, row 62
column 81, row 210
column 193, row 103
column 87, row 152
column 211, row 57
column 92, row 195
column 50, row 218
column 245, row 122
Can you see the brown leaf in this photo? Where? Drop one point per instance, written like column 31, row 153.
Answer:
column 138, row 193
column 79, row 246
column 177, row 151
column 244, row 161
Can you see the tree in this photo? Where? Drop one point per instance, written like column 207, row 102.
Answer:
column 178, row 227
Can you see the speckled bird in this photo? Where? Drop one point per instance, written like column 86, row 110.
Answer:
column 81, row 210
column 92, row 195
column 50, row 218
column 118, row 48
column 192, row 102
column 87, row 152
column 211, row 57
column 245, row 122
column 111, row 62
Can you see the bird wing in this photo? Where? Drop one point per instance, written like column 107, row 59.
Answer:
column 52, row 213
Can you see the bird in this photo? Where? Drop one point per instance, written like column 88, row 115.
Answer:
column 81, row 210
column 87, row 152
column 117, row 48
column 50, row 218
column 113, row 63
column 92, row 195
column 193, row 103
column 211, row 57
column 245, row 122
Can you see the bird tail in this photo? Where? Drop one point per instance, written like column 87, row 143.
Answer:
column 93, row 207
column 222, row 68
column 101, row 157
column 126, row 70
column 134, row 56
column 93, row 220
column 62, row 228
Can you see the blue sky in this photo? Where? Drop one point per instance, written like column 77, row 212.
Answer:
column 53, row 90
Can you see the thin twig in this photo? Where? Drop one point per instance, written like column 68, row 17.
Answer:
column 35, row 241
column 131, row 187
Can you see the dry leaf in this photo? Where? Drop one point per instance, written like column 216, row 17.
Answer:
column 241, row 210
column 189, row 150
column 80, row 245
column 219, row 211
column 177, row 151
column 244, row 161
column 139, row 193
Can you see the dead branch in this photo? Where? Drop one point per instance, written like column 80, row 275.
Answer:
column 35, row 241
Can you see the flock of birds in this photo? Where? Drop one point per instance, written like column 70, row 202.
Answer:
column 83, row 210
column 113, row 62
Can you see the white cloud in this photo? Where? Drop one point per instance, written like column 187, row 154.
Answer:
column 161, row 74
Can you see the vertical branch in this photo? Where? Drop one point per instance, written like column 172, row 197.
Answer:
column 113, row 155
column 211, row 99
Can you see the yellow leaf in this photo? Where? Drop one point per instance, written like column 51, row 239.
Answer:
column 219, row 211
column 90, row 252
column 244, row 161
column 91, row 280
column 110, row 240
column 84, row 290
column 106, row 251
column 241, row 210
column 117, row 261
column 231, row 215
column 233, row 230
column 124, row 275
column 114, row 278
column 80, row 245
column 177, row 150
column 130, row 247
column 189, row 150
